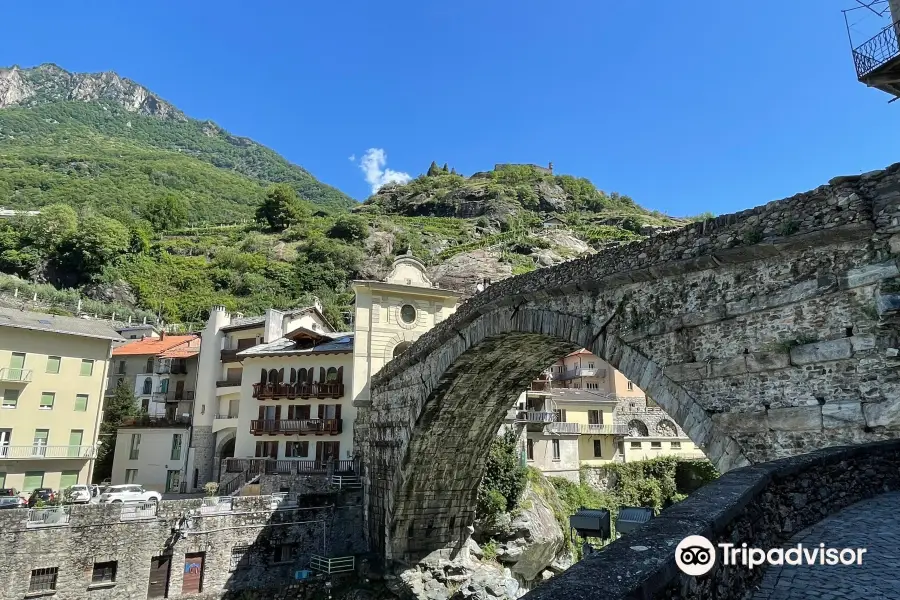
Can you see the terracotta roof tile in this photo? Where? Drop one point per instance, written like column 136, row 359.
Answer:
column 153, row 346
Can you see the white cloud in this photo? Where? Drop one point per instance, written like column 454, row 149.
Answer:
column 373, row 164
column 352, row 158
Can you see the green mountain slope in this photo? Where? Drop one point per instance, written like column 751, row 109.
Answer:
column 104, row 141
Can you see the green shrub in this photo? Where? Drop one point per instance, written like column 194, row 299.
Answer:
column 504, row 476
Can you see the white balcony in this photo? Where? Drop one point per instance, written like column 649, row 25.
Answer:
column 8, row 375
column 584, row 429
column 41, row 452
column 224, row 422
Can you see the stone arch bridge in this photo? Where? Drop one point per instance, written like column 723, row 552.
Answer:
column 763, row 334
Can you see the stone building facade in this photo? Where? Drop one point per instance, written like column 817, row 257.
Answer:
column 184, row 550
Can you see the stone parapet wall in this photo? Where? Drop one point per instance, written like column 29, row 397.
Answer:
column 97, row 533
column 763, row 505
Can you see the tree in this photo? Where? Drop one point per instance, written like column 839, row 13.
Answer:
column 166, row 212
column 433, row 170
column 97, row 243
column 453, row 171
column 281, row 208
column 351, row 228
column 52, row 227
column 445, row 169
column 121, row 405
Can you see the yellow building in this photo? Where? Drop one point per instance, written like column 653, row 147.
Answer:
column 391, row 314
column 53, row 373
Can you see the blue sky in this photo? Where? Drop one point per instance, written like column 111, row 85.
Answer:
column 685, row 106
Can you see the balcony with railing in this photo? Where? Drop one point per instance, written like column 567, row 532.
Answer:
column 576, row 372
column 182, row 396
column 539, row 386
column 38, row 451
column 587, row 429
column 151, row 421
column 296, row 426
column 535, row 416
column 225, row 420
column 268, row 391
column 877, row 60
column 271, row 466
column 10, row 375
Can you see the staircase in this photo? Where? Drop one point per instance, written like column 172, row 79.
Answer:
column 234, row 487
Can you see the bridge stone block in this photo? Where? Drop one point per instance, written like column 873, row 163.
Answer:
column 843, row 413
column 882, row 414
column 870, row 274
column 819, row 352
column 797, row 418
column 742, row 422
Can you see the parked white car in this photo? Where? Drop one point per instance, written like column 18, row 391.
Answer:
column 128, row 493
column 78, row 494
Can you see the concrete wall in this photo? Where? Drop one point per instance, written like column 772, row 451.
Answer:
column 60, row 420
column 654, row 447
column 97, row 533
column 154, row 456
column 566, row 466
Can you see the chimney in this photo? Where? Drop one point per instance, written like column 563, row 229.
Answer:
column 162, row 334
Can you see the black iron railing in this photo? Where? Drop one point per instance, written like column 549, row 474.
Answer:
column 877, row 51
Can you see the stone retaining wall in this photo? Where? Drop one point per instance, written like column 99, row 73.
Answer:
column 97, row 533
column 763, row 505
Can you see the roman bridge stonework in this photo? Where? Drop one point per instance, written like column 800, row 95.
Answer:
column 763, row 334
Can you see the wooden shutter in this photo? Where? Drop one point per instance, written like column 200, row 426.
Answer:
column 340, row 377
column 262, row 413
column 193, row 573
column 337, row 412
column 319, row 449
column 301, row 376
column 321, row 411
column 304, row 411
column 264, row 377
column 293, row 375
column 309, row 376
column 281, row 375
column 290, row 412
column 322, row 375
column 277, row 413
column 260, row 449
column 273, row 376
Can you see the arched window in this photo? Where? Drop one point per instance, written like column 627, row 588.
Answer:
column 148, row 385
column 273, row 375
column 332, row 375
column 301, row 376
column 149, row 366
column 400, row 348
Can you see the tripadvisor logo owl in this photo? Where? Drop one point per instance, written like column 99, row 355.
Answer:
column 695, row 555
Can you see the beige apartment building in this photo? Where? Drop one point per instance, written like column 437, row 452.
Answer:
column 583, row 412
column 53, row 373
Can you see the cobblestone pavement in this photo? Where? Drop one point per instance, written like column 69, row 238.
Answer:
column 872, row 524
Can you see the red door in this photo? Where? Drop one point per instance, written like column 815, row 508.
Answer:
column 193, row 573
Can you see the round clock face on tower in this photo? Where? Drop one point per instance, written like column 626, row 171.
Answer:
column 408, row 313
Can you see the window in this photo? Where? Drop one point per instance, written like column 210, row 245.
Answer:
column 332, row 375
column 40, row 442
column 676, row 445
column 296, row 449
column 555, row 449
column 592, row 386
column 149, row 368
column 164, row 386
column 598, row 448
column 67, row 479
column 148, row 386
column 121, row 369
column 10, row 398
column 408, row 313
column 635, row 445
column 590, row 365
column 286, row 553
column 176, row 447
column 104, row 572
column 234, row 374
column 630, row 386
column 400, row 349
column 76, row 437
column 530, row 450
column 53, row 364
column 81, row 402
column 43, row 580
column 595, row 417
column 87, row 368
column 655, row 445
column 130, row 475
column 244, row 343
column 135, row 450
column 33, row 480
column 16, row 366
column 560, row 415
column 266, row 449
column 240, row 558
column 47, row 399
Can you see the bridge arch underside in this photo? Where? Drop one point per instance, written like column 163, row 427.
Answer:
column 782, row 351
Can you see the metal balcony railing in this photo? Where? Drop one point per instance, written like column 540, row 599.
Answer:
column 576, row 372
column 535, row 416
column 44, row 517
column 271, row 466
column 343, row 564
column 227, row 416
column 15, row 375
column 228, row 382
column 584, row 429
column 142, row 510
column 296, row 426
column 875, row 52
column 263, row 391
column 148, row 421
column 40, row 451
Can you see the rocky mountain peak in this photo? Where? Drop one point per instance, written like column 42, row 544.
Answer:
column 50, row 83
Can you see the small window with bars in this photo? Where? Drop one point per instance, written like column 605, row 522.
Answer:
column 104, row 572
column 43, row 580
column 240, row 558
column 286, row 553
